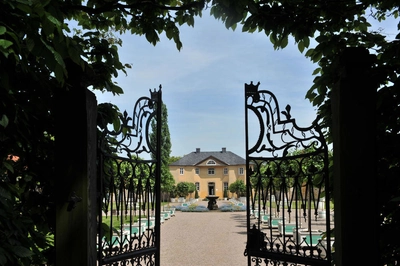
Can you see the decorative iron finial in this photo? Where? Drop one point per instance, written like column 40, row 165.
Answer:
column 251, row 90
column 154, row 94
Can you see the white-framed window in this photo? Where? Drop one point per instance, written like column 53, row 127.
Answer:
column 241, row 171
column 197, row 170
column 211, row 162
column 181, row 171
column 225, row 171
column 211, row 171
column 226, row 185
column 197, row 184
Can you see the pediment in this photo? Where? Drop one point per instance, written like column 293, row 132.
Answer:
column 211, row 161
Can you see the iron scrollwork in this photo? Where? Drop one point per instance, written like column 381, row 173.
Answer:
column 287, row 183
column 129, row 178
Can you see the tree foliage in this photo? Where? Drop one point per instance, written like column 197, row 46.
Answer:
column 192, row 188
column 40, row 55
column 167, row 180
column 173, row 159
column 238, row 187
column 333, row 26
column 182, row 189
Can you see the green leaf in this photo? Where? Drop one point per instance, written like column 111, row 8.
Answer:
column 5, row 193
column 59, row 71
column 9, row 167
column 306, row 41
column 152, row 37
column 22, row 252
column 24, row 7
column 53, row 20
column 316, row 71
column 364, row 26
column 284, row 42
column 107, row 230
column 300, row 45
column 117, row 124
column 5, row 43
column 318, row 100
column 116, row 89
column 73, row 52
column 30, row 44
column 316, row 56
column 4, row 121
column 311, row 95
column 2, row 30
column 272, row 39
column 57, row 56
column 309, row 52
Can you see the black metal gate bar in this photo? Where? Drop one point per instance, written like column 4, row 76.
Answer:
column 287, row 180
column 129, row 191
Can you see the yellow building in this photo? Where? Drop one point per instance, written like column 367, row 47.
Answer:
column 211, row 172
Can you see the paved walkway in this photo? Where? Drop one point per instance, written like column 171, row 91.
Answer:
column 204, row 238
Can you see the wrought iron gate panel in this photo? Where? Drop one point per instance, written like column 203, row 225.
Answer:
column 129, row 190
column 288, row 220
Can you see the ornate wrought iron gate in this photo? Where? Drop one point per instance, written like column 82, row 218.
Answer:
column 288, row 216
column 129, row 190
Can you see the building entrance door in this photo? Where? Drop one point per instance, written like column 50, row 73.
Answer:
column 211, row 188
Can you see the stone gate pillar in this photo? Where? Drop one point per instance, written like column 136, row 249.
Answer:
column 355, row 180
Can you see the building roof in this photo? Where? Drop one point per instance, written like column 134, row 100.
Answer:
column 196, row 157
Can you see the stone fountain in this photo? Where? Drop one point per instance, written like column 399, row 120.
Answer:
column 212, row 202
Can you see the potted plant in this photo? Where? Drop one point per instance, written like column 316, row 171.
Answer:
column 172, row 194
column 191, row 188
column 182, row 189
column 225, row 194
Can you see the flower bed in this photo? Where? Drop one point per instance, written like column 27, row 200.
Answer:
column 195, row 208
column 232, row 208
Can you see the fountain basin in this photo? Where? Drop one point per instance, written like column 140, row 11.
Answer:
column 212, row 202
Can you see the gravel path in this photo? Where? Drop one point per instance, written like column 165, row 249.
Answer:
column 204, row 239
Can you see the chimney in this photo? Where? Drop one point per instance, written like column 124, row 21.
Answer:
column 223, row 149
column 197, row 150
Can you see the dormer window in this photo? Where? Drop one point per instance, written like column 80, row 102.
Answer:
column 211, row 162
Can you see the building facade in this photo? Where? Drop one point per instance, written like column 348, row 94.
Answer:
column 211, row 172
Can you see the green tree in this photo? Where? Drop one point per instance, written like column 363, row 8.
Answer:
column 172, row 193
column 192, row 188
column 225, row 193
column 40, row 56
column 182, row 189
column 238, row 187
column 334, row 26
column 167, row 180
column 173, row 159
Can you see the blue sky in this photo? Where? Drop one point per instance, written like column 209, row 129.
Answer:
column 203, row 84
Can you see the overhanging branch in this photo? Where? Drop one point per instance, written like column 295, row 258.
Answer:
column 138, row 6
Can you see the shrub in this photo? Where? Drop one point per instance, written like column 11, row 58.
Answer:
column 182, row 189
